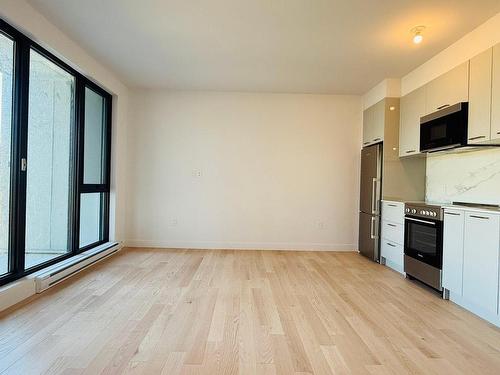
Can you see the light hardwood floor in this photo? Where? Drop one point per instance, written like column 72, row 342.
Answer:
column 172, row 312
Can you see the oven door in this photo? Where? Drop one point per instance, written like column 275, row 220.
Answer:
column 444, row 129
column 423, row 240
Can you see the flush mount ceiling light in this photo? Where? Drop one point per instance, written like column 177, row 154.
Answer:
column 417, row 34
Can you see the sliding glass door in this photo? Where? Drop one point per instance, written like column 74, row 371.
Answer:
column 6, row 106
column 55, row 142
column 51, row 113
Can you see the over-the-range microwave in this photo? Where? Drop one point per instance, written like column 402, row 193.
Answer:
column 444, row 129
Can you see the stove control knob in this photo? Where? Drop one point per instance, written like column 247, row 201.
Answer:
column 413, row 211
column 434, row 214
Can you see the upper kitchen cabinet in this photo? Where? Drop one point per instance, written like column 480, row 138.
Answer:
column 448, row 89
column 412, row 108
column 367, row 126
column 495, row 95
column 373, row 124
column 480, row 97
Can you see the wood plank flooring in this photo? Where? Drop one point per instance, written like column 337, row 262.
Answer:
column 157, row 311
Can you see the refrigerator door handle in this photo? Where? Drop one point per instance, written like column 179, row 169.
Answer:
column 373, row 235
column 374, row 196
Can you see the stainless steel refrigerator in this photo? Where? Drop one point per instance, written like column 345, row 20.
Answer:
column 369, row 202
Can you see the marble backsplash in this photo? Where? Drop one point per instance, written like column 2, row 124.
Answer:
column 472, row 177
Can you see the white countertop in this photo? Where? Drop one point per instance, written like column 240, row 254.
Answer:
column 490, row 210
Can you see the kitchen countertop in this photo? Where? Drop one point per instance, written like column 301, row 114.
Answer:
column 494, row 210
column 394, row 199
column 485, row 209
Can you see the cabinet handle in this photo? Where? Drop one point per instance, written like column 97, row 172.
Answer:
column 392, row 225
column 478, row 137
column 411, row 151
column 390, row 244
column 392, row 205
column 498, row 132
column 451, row 213
column 443, row 106
column 480, row 217
column 376, row 139
column 365, row 143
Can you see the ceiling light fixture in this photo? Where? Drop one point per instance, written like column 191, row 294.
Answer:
column 417, row 34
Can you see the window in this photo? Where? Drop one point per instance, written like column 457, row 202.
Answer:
column 94, row 191
column 94, row 136
column 6, row 88
column 91, row 223
column 55, row 143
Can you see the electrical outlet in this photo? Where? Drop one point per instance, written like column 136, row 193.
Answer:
column 321, row 225
column 173, row 222
column 197, row 173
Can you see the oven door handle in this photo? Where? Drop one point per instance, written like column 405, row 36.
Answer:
column 420, row 221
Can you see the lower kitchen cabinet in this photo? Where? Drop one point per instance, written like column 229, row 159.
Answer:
column 453, row 250
column 392, row 235
column 481, row 252
column 471, row 258
column 393, row 254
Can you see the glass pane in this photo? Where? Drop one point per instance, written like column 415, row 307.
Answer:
column 6, row 80
column 90, row 218
column 94, row 139
column 50, row 124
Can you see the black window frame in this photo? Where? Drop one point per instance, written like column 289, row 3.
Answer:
column 19, row 133
column 104, row 187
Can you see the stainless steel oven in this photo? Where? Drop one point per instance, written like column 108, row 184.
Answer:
column 423, row 245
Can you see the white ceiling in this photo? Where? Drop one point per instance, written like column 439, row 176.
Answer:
column 306, row 46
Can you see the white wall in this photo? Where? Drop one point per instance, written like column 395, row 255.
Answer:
column 21, row 15
column 278, row 171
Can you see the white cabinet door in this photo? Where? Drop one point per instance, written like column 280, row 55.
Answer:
column 480, row 97
column 495, row 95
column 374, row 124
column 378, row 122
column 481, row 252
column 453, row 250
column 393, row 232
column 393, row 212
column 393, row 254
column 448, row 89
column 412, row 108
column 367, row 126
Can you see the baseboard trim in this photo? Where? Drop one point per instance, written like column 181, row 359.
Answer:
column 241, row 245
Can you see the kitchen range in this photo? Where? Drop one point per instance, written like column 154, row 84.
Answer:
column 423, row 243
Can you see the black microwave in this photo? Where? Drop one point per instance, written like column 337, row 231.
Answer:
column 444, row 129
